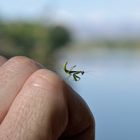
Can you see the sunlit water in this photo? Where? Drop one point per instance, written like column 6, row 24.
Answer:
column 112, row 92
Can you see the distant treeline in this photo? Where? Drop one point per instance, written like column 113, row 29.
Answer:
column 119, row 43
column 34, row 40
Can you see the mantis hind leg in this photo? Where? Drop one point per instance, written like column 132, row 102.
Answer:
column 76, row 78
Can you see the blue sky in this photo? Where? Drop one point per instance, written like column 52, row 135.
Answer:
column 72, row 9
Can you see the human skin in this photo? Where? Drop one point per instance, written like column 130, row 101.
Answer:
column 36, row 104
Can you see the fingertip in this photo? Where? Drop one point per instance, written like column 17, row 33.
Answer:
column 45, row 78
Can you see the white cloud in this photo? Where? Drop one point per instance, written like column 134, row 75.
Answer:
column 99, row 17
column 135, row 14
column 96, row 18
column 63, row 16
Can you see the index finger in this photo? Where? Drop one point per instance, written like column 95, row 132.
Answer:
column 13, row 75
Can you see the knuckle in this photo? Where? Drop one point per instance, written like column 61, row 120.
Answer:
column 23, row 61
column 20, row 59
column 3, row 58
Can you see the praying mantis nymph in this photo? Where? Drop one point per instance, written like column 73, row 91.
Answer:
column 74, row 73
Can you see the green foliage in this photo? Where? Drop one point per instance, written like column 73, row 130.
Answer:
column 58, row 36
column 34, row 40
column 21, row 37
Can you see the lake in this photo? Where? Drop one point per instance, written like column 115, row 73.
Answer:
column 112, row 91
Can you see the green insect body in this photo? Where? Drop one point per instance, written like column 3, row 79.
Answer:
column 72, row 72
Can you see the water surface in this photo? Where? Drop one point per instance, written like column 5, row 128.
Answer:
column 112, row 92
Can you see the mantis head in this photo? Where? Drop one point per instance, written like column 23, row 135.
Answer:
column 82, row 72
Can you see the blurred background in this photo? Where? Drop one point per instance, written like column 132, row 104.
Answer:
column 100, row 37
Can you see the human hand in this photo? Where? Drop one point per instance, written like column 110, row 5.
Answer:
column 36, row 104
